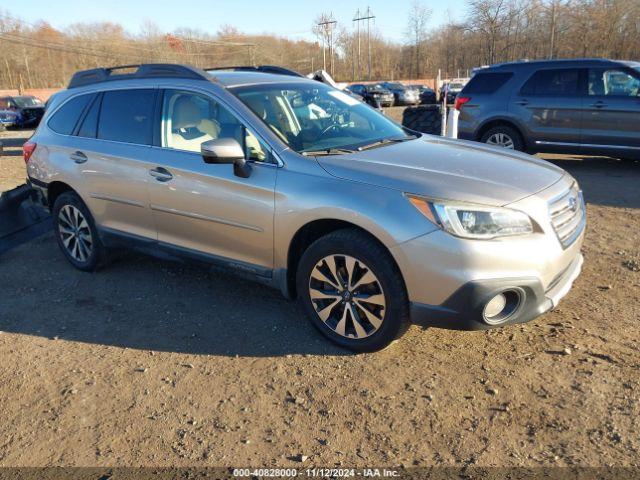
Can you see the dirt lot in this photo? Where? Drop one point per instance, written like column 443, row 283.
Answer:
column 160, row 364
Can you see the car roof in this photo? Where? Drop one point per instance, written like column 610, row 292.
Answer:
column 568, row 62
column 236, row 78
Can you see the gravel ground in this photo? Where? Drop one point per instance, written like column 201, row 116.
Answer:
column 160, row 364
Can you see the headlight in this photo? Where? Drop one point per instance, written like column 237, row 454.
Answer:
column 473, row 221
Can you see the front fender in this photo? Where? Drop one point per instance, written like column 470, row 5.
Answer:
column 302, row 198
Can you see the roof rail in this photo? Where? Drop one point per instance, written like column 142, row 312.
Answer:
column 147, row 70
column 259, row 68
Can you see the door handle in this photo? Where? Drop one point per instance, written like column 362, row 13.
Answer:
column 598, row 104
column 522, row 102
column 78, row 157
column 161, row 174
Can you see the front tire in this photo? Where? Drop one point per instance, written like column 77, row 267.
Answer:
column 76, row 232
column 352, row 291
column 503, row 136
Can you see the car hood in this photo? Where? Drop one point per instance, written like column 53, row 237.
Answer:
column 447, row 169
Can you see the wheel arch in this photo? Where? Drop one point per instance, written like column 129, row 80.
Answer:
column 55, row 189
column 309, row 233
column 498, row 121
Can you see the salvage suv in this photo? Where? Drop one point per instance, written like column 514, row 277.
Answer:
column 302, row 187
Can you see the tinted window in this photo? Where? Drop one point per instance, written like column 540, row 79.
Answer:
column 553, row 82
column 89, row 127
column 487, row 82
column 127, row 116
column 65, row 119
column 612, row 82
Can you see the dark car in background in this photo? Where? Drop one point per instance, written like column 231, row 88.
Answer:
column 426, row 94
column 585, row 106
column 21, row 111
column 402, row 94
column 374, row 94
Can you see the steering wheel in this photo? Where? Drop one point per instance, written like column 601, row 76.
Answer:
column 335, row 123
column 333, row 126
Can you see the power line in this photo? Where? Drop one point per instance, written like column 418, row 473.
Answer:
column 327, row 26
column 62, row 48
column 368, row 16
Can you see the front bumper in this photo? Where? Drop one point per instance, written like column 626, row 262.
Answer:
column 464, row 309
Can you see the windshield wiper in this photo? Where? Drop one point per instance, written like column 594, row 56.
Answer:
column 328, row 151
column 386, row 141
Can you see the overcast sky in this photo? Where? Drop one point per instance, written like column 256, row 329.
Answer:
column 290, row 18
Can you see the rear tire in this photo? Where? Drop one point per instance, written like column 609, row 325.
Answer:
column 76, row 232
column 359, row 298
column 503, row 136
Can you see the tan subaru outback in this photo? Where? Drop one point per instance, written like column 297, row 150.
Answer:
column 303, row 187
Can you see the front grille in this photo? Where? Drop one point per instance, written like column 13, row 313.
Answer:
column 568, row 216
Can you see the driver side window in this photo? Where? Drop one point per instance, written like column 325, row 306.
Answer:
column 189, row 119
column 613, row 83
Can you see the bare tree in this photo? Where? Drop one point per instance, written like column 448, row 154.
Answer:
column 416, row 32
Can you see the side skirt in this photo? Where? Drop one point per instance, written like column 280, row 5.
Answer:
column 117, row 239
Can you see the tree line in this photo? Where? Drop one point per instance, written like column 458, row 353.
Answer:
column 36, row 55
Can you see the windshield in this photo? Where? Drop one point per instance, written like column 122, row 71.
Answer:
column 315, row 117
column 27, row 102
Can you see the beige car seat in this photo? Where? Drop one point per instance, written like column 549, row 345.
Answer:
column 189, row 129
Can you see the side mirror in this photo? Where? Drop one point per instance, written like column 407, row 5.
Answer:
column 226, row 150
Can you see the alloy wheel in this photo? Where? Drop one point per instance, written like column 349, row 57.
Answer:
column 501, row 140
column 75, row 233
column 347, row 296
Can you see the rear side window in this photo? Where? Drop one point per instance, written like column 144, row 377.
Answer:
column 89, row 127
column 487, row 82
column 127, row 116
column 553, row 82
column 66, row 117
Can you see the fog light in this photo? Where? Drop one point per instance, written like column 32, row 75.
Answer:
column 495, row 306
column 502, row 306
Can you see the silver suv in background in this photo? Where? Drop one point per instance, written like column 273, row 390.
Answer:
column 300, row 186
column 589, row 106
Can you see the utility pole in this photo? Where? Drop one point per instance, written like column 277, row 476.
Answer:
column 368, row 16
column 356, row 61
column 327, row 36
